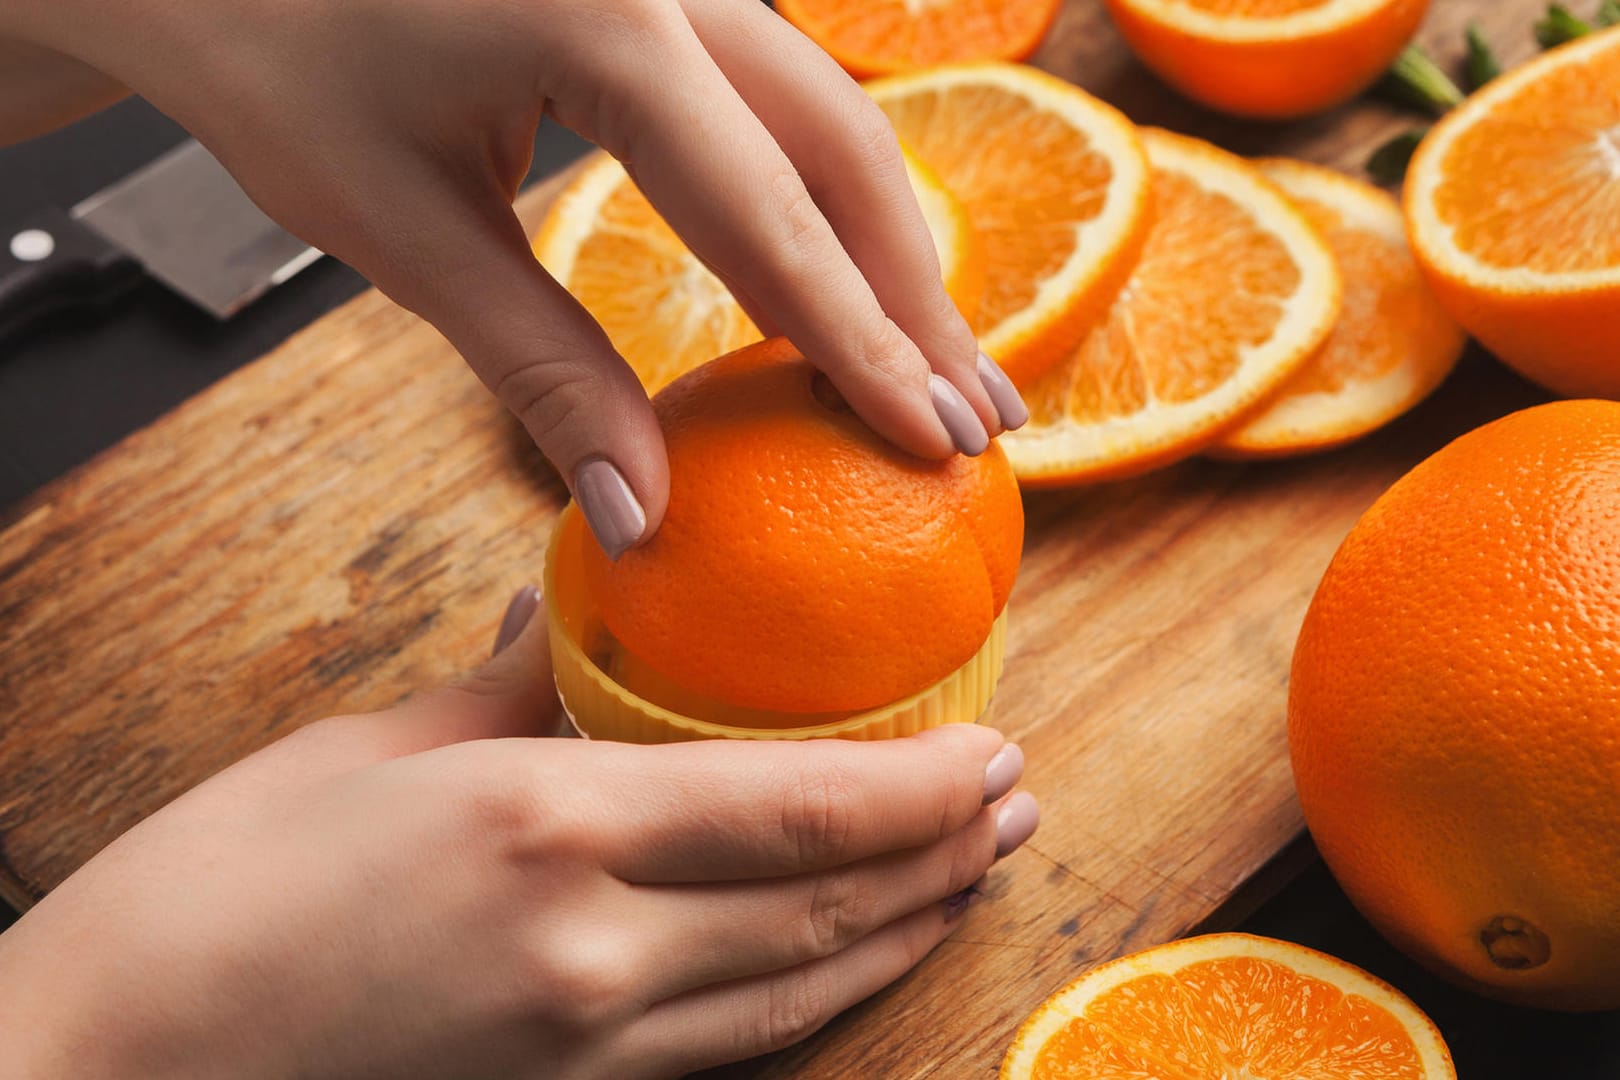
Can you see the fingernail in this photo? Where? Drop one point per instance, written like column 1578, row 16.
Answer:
column 957, row 903
column 958, row 417
column 518, row 614
column 1015, row 823
column 1003, row 772
column 1004, row 395
column 610, row 507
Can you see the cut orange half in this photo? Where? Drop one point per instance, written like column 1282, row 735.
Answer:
column 1513, row 209
column 1055, row 183
column 1268, row 58
column 883, row 37
column 1234, row 292
column 1393, row 344
column 662, row 309
column 1228, row 1005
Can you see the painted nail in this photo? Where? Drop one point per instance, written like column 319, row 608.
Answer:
column 518, row 614
column 1003, row 772
column 958, row 417
column 1015, row 823
column 610, row 507
column 957, row 903
column 1004, row 395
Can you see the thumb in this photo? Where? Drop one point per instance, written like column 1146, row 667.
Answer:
column 513, row 694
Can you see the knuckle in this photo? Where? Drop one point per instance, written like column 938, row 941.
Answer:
column 800, row 217
column 890, row 356
column 582, row 980
column 818, row 812
column 970, row 855
column 870, row 135
column 796, row 1008
column 545, row 395
column 837, row 914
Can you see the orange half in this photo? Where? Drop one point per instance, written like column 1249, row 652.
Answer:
column 1268, row 58
column 883, row 37
column 1513, row 208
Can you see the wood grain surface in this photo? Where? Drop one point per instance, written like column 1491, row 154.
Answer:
column 342, row 522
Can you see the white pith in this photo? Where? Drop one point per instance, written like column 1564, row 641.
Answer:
column 1179, row 15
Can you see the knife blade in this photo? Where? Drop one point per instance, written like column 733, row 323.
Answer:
column 182, row 219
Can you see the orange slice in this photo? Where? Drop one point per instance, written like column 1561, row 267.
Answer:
column 1055, row 183
column 663, row 310
column 1513, row 208
column 883, row 37
column 1393, row 344
column 1234, row 292
column 1268, row 58
column 1228, row 1006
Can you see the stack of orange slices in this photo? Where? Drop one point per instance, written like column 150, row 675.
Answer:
column 1153, row 296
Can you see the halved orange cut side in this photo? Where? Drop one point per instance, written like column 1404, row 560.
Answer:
column 1233, row 293
column 662, row 309
column 1055, row 183
column 1393, row 343
column 1513, row 208
column 884, row 37
column 1228, row 1007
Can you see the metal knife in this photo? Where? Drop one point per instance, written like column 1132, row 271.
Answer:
column 181, row 219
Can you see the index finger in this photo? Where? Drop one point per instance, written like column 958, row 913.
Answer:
column 726, row 811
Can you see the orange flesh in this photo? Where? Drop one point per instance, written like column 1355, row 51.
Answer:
column 921, row 33
column 1256, row 9
column 1536, row 184
column 1235, row 1017
column 653, row 319
column 1210, row 282
column 1026, row 178
column 1388, row 313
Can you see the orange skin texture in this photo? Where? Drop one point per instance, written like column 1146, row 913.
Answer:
column 1454, row 714
column 804, row 565
column 1272, row 80
column 881, row 37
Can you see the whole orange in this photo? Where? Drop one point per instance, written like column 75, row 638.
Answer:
column 805, row 565
column 1454, row 709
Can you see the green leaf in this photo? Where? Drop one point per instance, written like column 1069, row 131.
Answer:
column 1608, row 13
column 1482, row 63
column 1388, row 163
column 1559, row 27
column 1416, row 80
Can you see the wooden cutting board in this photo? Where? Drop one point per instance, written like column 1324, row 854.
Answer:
column 343, row 521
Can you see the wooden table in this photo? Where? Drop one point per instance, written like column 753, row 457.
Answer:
column 342, row 521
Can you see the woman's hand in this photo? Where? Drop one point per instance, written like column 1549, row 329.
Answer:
column 427, row 892
column 393, row 134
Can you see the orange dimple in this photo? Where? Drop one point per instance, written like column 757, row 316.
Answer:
column 804, row 566
column 879, row 37
column 1226, row 1006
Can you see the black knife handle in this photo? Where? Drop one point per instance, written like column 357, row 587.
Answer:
column 49, row 262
